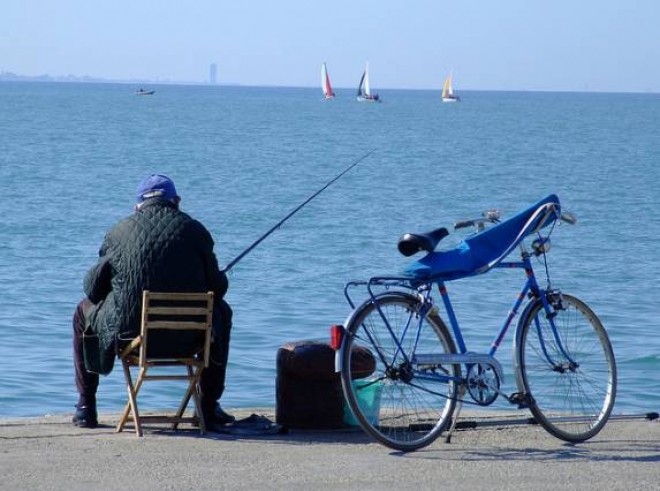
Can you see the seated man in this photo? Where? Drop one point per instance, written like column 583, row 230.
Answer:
column 158, row 248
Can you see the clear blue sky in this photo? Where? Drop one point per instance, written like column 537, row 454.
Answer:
column 597, row 45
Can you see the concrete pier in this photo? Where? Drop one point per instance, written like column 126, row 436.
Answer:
column 49, row 453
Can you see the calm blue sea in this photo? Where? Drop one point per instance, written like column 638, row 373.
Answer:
column 71, row 156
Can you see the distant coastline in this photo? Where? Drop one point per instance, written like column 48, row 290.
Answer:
column 14, row 77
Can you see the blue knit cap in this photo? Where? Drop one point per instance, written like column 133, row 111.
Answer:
column 156, row 186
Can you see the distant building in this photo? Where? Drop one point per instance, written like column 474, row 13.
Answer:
column 213, row 74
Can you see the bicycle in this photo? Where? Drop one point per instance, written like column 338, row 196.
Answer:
column 423, row 373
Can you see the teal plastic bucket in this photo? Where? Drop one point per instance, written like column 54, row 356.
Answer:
column 368, row 395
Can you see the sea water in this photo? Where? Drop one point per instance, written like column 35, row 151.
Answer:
column 71, row 156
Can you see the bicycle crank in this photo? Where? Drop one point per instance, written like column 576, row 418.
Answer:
column 483, row 384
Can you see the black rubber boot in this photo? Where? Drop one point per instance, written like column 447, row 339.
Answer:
column 85, row 417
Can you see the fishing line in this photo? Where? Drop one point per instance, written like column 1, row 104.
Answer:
column 293, row 212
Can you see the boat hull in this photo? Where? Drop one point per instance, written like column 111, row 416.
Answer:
column 371, row 98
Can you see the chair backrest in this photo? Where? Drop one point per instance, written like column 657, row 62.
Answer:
column 176, row 326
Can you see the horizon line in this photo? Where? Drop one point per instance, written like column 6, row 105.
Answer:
column 87, row 79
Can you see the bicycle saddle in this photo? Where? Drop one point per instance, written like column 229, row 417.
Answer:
column 409, row 244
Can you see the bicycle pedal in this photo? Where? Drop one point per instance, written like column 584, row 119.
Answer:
column 521, row 399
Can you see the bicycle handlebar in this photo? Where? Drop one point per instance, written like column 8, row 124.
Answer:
column 489, row 216
column 466, row 223
column 568, row 217
column 493, row 216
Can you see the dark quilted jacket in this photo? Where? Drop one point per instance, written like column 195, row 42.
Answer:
column 159, row 248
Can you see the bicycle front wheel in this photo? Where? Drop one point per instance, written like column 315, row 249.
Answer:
column 571, row 377
column 403, row 404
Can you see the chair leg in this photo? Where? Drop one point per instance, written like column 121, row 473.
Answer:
column 129, row 388
column 198, row 404
column 192, row 391
column 133, row 401
column 131, row 405
column 196, row 395
column 185, row 400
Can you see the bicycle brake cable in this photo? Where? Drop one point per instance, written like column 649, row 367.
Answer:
column 545, row 255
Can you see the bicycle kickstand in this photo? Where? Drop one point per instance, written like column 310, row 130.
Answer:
column 457, row 412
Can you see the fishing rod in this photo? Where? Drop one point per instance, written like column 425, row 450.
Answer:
column 650, row 416
column 279, row 224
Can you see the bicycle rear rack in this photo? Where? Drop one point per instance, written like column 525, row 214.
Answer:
column 387, row 283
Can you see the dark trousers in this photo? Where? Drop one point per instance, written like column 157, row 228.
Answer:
column 212, row 383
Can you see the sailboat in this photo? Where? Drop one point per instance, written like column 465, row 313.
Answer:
column 364, row 91
column 448, row 91
column 325, row 83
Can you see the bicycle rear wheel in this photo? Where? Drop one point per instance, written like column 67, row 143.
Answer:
column 402, row 404
column 572, row 391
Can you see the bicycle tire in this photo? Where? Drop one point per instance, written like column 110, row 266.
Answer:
column 413, row 408
column 571, row 403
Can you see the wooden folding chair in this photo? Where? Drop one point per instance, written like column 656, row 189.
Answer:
column 175, row 332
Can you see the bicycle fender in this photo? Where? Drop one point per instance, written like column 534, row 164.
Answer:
column 517, row 341
column 339, row 354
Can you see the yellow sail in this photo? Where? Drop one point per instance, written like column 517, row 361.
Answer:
column 446, row 89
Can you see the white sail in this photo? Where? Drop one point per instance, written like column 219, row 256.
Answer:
column 364, row 89
column 323, row 75
column 367, row 88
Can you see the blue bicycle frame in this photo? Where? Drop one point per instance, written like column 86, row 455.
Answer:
column 531, row 286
